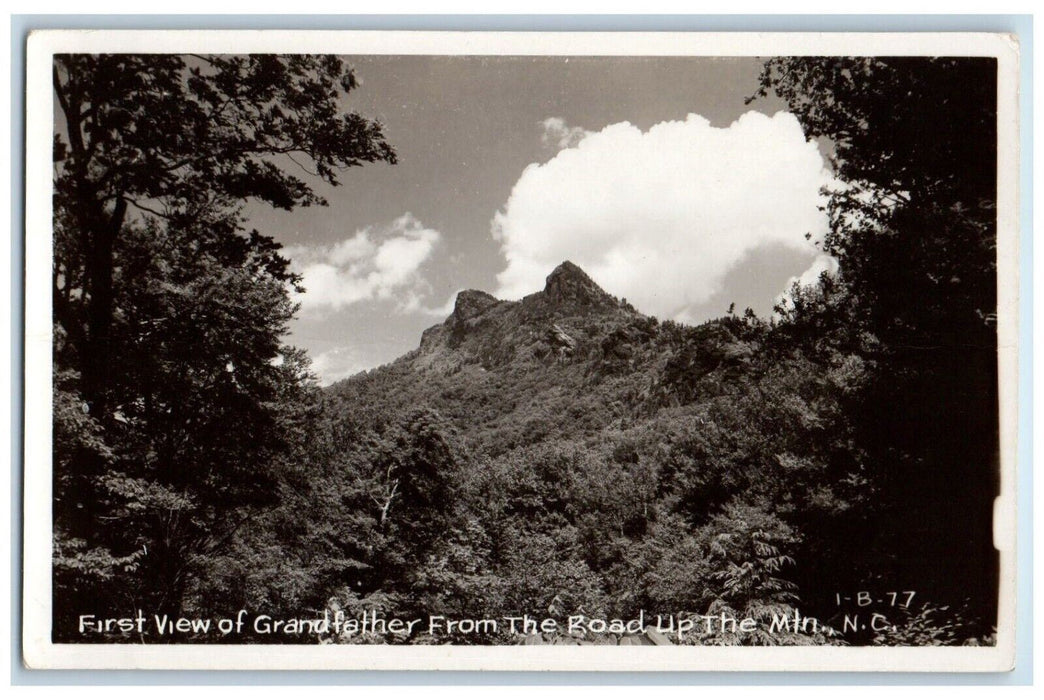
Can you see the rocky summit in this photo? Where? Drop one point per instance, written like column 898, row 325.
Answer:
column 567, row 319
column 569, row 286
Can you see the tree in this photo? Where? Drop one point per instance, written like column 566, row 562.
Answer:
column 197, row 421
column 913, row 143
column 913, row 228
column 175, row 396
column 185, row 140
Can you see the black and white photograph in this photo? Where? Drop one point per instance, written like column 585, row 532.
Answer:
column 416, row 351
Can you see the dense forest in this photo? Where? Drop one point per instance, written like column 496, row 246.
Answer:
column 563, row 455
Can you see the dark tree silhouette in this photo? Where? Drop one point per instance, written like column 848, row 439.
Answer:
column 913, row 227
column 174, row 395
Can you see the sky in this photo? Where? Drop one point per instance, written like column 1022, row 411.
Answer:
column 649, row 173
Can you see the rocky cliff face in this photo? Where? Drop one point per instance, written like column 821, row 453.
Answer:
column 471, row 303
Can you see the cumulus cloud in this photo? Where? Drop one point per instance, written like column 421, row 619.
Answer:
column 558, row 134
column 372, row 264
column 661, row 216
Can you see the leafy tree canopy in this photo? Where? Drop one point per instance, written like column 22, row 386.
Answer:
column 187, row 140
column 175, row 397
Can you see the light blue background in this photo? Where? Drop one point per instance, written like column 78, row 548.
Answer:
column 1021, row 25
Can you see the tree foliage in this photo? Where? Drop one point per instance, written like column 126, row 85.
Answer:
column 913, row 228
column 185, row 141
column 174, row 393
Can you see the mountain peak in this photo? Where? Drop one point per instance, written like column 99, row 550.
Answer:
column 471, row 303
column 568, row 283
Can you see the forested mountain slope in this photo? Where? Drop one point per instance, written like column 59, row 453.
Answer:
column 591, row 458
column 568, row 361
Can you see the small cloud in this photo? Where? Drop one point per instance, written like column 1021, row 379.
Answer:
column 337, row 364
column 441, row 311
column 372, row 264
column 558, row 134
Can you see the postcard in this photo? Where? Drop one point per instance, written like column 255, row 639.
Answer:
column 520, row 351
